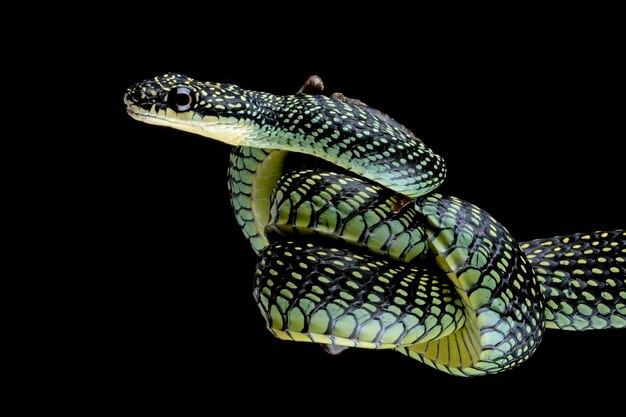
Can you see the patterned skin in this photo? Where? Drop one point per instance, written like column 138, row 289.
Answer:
column 345, row 261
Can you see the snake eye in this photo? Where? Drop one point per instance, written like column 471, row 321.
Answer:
column 180, row 98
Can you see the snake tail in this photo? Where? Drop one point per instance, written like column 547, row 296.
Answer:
column 583, row 279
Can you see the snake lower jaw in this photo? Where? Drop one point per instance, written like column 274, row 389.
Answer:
column 211, row 127
column 145, row 116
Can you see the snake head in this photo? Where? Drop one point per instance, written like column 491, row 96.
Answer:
column 344, row 132
column 170, row 91
column 178, row 101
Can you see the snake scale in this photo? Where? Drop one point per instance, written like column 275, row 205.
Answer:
column 370, row 256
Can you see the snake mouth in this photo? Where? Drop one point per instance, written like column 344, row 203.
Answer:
column 213, row 127
column 138, row 113
column 134, row 114
column 146, row 116
column 158, row 116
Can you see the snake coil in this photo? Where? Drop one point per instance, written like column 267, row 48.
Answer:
column 373, row 258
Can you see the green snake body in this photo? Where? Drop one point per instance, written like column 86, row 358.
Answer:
column 343, row 262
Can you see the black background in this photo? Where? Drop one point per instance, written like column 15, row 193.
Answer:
column 531, row 128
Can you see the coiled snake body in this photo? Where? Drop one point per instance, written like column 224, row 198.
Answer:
column 346, row 259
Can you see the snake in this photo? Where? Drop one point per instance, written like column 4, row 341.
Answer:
column 360, row 251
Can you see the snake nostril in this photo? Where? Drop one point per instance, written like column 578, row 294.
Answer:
column 136, row 95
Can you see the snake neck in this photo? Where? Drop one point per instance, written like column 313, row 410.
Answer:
column 350, row 137
column 252, row 175
column 342, row 132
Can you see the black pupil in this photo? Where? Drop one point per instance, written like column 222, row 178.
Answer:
column 182, row 97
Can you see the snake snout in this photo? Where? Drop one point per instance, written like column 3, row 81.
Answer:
column 136, row 94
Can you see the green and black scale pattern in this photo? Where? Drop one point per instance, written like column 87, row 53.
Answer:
column 504, row 304
column 502, row 300
column 582, row 278
column 333, row 296
column 348, row 209
column 336, row 131
column 252, row 213
column 344, row 261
